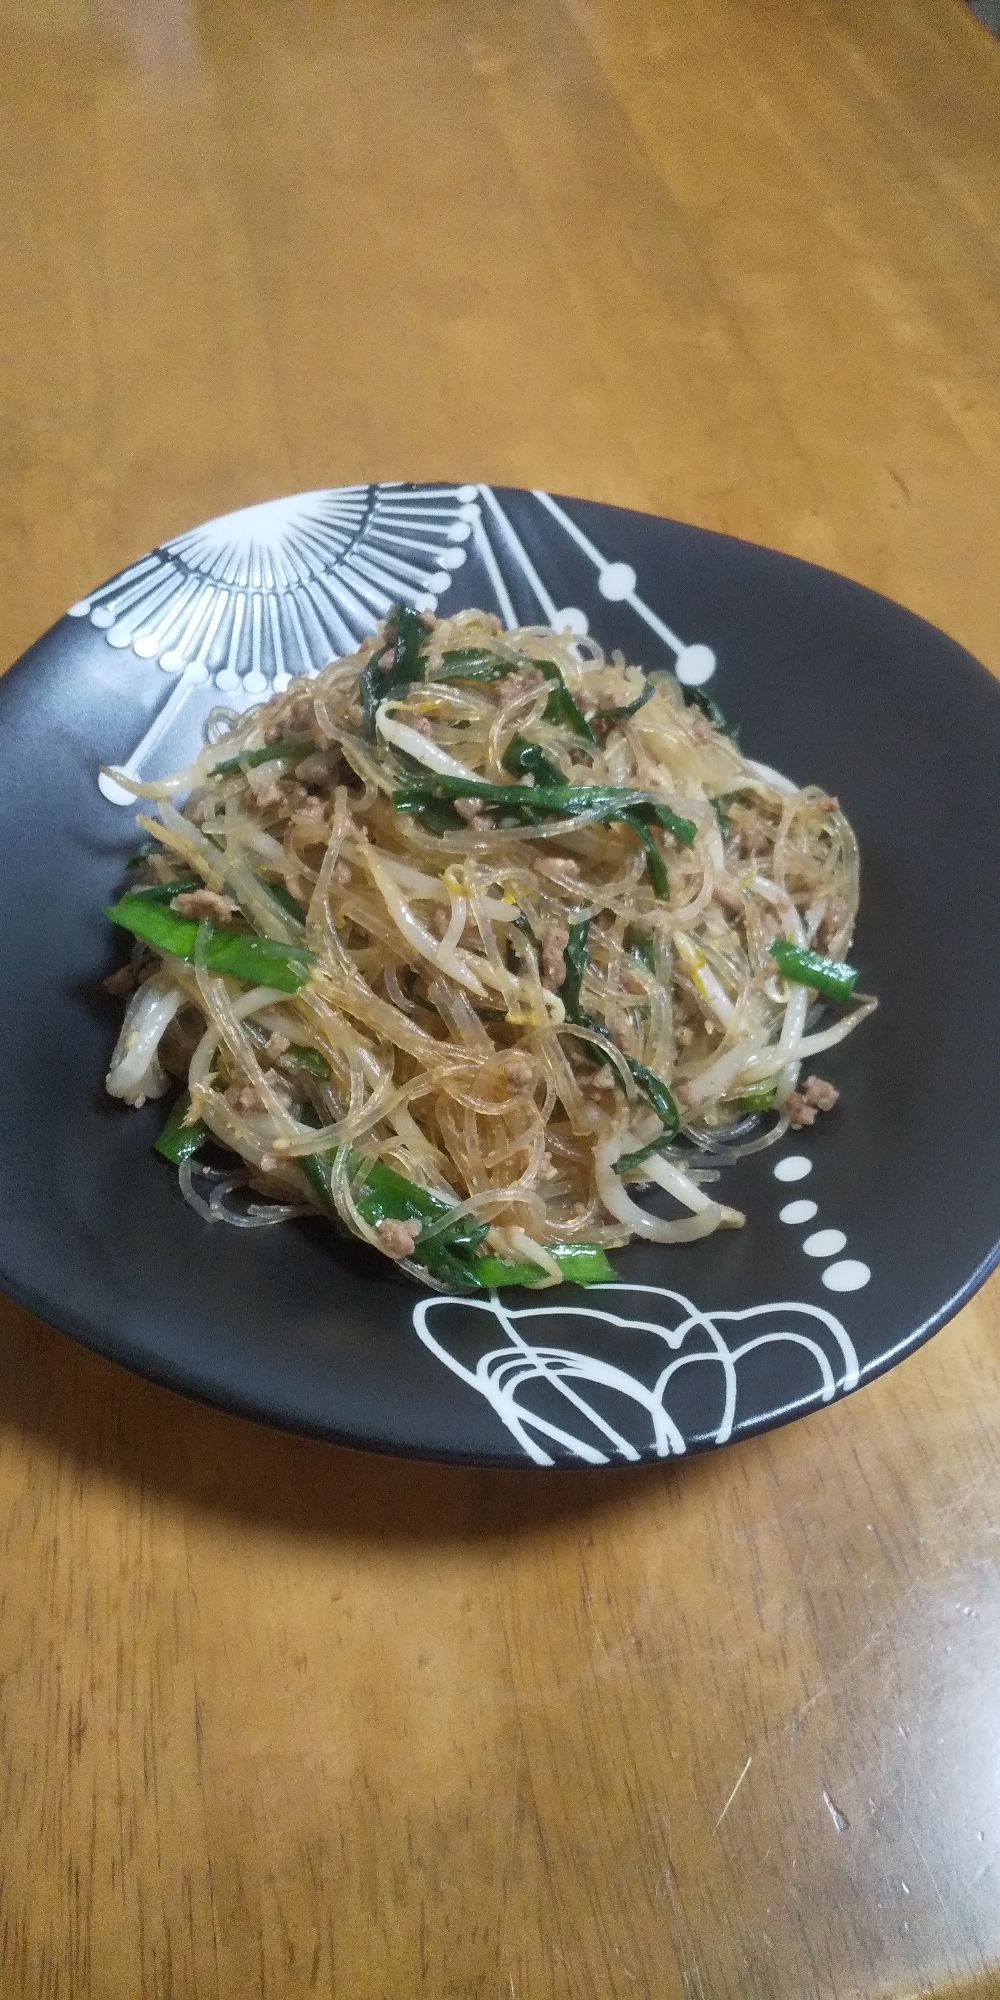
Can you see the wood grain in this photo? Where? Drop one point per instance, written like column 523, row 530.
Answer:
column 280, row 1720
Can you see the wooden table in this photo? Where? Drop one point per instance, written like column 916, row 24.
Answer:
column 282, row 1720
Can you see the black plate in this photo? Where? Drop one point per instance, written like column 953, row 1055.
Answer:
column 727, row 1336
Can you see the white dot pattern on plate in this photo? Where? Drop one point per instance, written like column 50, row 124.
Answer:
column 824, row 1243
column 616, row 581
column 694, row 665
column 797, row 1211
column 847, row 1275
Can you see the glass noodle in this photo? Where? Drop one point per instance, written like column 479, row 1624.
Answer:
column 468, row 942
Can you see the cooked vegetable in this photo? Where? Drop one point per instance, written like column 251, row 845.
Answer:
column 262, row 961
column 291, row 750
column 179, row 1140
column 449, row 1249
column 402, row 646
column 626, row 710
column 698, row 697
column 809, row 968
column 524, row 759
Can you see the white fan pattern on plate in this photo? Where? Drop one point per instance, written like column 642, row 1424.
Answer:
column 589, row 1425
column 255, row 598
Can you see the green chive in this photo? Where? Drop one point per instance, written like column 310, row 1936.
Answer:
column 525, row 759
column 828, row 976
column 178, row 1141
column 258, row 960
column 291, row 750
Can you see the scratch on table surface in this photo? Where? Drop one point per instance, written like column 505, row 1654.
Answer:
column 510, row 1863
column 665, row 1880
column 930, row 1543
column 874, row 1638
column 733, row 1793
column 955, row 1506
column 928, row 1870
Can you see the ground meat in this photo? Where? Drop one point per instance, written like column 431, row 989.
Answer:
column 596, row 1082
column 561, row 869
column 121, row 982
column 555, row 938
column 525, row 681
column 341, row 874
column 755, row 839
column 816, row 1095
column 728, row 894
column 243, row 1097
column 427, row 620
column 440, row 919
column 275, row 1046
column 799, row 1112
column 398, row 1239
column 520, row 1074
column 205, row 903
column 684, row 1037
column 355, row 715
column 267, row 793
column 195, row 810
column 387, row 660
column 311, row 809
column 819, row 1093
column 297, row 721
column 685, row 1095
column 467, row 809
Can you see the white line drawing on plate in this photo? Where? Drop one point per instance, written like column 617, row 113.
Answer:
column 570, row 618
column 570, row 1420
column 616, row 581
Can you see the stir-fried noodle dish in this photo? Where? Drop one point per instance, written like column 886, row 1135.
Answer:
column 472, row 943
